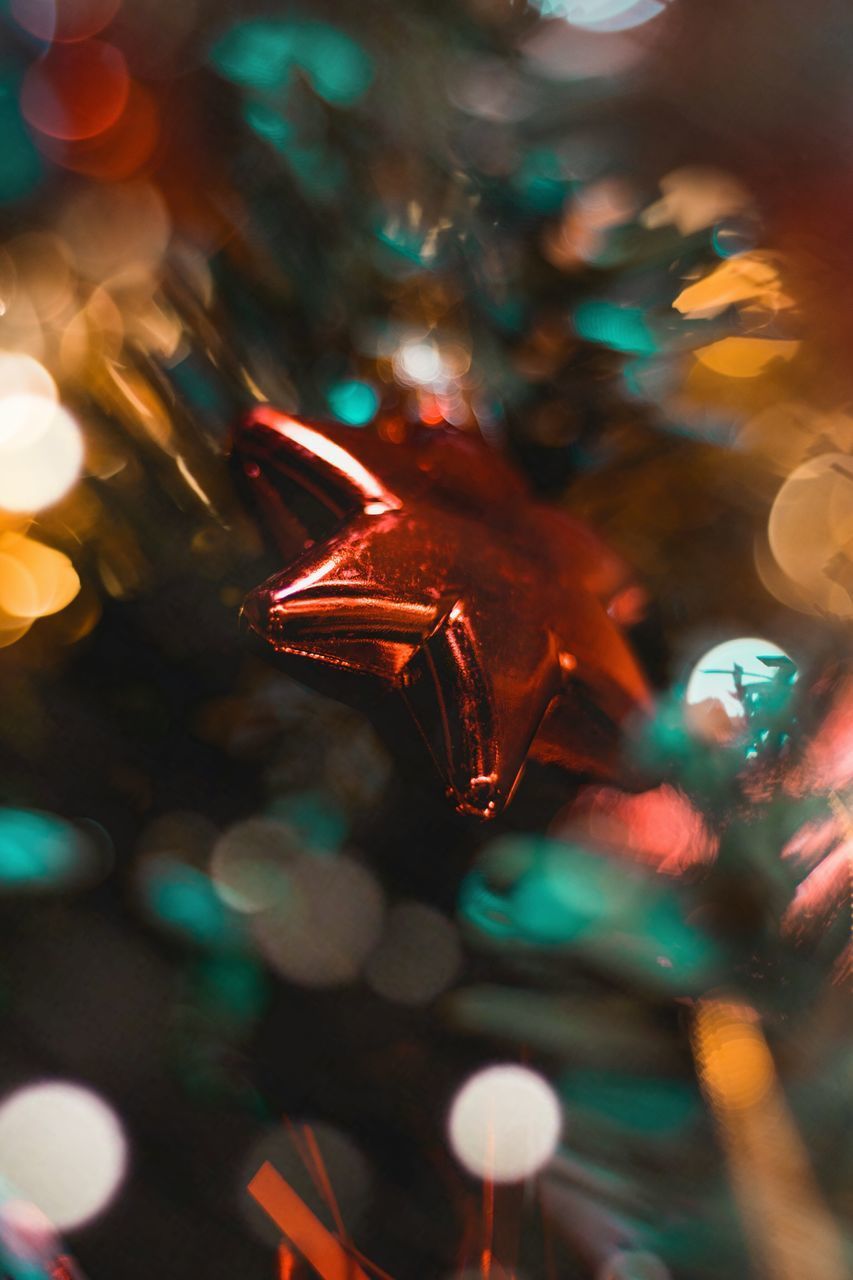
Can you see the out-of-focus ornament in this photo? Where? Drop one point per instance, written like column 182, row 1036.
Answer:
column 434, row 572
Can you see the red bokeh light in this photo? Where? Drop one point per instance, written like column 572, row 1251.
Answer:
column 76, row 90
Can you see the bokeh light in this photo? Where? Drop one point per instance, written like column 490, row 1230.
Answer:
column 64, row 20
column 29, row 1247
column 633, row 1264
column 621, row 327
column 266, row 53
column 43, row 273
column 418, row 362
column 560, row 52
column 735, row 682
column 745, row 357
column 76, row 90
column 249, row 863
column 660, row 827
column 322, row 929
column 695, row 197
column 116, row 230
column 308, row 1155
column 41, row 452
column 566, row 897
column 35, row 580
column 20, row 374
column 183, row 900
column 64, row 1148
column 604, row 15
column 119, row 151
column 810, row 532
column 353, row 402
column 505, row 1123
column 20, row 165
column 418, row 957
column 39, row 852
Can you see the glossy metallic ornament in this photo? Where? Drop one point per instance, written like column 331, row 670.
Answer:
column 438, row 574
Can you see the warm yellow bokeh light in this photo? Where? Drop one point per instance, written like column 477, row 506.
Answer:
column 52, row 580
column 695, row 197
column 745, row 357
column 739, row 1067
column 810, row 532
column 751, row 277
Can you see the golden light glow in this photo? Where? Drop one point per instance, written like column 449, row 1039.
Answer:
column 745, row 357
column 810, row 533
column 750, row 277
column 790, row 1230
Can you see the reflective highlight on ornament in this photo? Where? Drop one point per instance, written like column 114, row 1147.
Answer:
column 505, row 1123
column 64, row 1148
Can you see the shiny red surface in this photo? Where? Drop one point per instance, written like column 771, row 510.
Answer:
column 446, row 580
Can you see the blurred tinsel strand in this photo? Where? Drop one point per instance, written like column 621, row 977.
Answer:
column 609, row 237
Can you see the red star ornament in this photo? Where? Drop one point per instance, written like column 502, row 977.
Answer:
column 445, row 580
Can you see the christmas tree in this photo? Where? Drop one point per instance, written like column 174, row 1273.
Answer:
column 424, row 603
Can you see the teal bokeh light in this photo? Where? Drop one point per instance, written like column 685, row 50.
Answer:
column 614, row 326
column 539, row 893
column 353, row 402
column 315, row 817
column 649, row 1105
column 265, row 53
column 21, row 168
column 184, row 901
column 270, row 124
column 37, row 851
